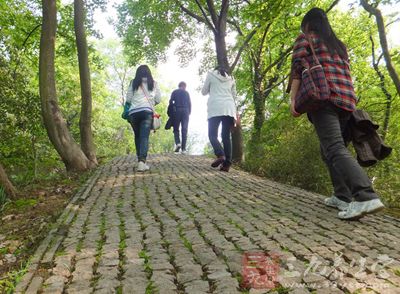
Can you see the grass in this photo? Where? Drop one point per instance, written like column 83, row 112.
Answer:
column 22, row 203
column 147, row 266
column 4, row 201
column 8, row 282
column 150, row 288
column 119, row 290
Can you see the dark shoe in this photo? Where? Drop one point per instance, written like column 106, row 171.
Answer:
column 216, row 163
column 225, row 167
column 177, row 148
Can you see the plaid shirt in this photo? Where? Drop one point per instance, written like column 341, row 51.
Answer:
column 337, row 70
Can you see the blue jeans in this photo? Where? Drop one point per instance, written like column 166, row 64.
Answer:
column 349, row 180
column 213, row 125
column 141, row 125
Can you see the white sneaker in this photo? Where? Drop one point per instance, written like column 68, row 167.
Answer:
column 177, row 148
column 357, row 210
column 142, row 167
column 184, row 152
column 336, row 203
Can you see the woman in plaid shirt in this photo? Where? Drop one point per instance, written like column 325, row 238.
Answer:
column 353, row 192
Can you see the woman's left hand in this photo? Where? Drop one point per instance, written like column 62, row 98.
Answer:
column 237, row 120
column 293, row 111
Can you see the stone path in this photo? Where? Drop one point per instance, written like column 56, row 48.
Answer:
column 185, row 228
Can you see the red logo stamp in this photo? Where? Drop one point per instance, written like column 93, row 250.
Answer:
column 260, row 270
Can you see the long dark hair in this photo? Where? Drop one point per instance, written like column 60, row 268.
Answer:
column 143, row 71
column 222, row 70
column 316, row 21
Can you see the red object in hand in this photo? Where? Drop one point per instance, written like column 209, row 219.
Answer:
column 156, row 115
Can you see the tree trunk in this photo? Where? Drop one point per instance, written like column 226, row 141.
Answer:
column 385, row 91
column 222, row 54
column 218, row 23
column 259, row 119
column 222, row 59
column 6, row 184
column 85, row 122
column 384, row 45
column 57, row 130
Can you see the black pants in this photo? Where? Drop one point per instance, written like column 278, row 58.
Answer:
column 213, row 125
column 348, row 178
column 181, row 119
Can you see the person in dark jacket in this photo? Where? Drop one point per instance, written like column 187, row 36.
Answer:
column 180, row 108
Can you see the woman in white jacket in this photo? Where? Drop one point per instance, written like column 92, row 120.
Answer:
column 221, row 110
column 143, row 94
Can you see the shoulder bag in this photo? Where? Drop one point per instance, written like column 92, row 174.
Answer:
column 314, row 86
column 156, row 124
column 125, row 112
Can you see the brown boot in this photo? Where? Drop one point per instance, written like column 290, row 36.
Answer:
column 225, row 167
column 216, row 163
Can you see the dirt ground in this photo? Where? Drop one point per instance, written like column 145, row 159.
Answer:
column 25, row 222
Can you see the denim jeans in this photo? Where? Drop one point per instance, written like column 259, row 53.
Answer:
column 141, row 124
column 181, row 119
column 349, row 180
column 213, row 125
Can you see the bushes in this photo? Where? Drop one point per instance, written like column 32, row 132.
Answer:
column 289, row 153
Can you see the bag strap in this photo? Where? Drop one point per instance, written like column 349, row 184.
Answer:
column 309, row 39
column 147, row 97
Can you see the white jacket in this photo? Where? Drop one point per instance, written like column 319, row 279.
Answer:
column 222, row 90
column 138, row 99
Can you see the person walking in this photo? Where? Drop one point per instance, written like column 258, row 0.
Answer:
column 353, row 192
column 180, row 108
column 143, row 94
column 221, row 108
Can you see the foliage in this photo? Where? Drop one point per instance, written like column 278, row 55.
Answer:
column 144, row 38
column 3, row 199
column 289, row 147
column 286, row 147
column 8, row 283
column 289, row 154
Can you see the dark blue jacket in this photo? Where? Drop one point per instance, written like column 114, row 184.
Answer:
column 180, row 100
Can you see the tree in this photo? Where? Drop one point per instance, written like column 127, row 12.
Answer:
column 57, row 129
column 265, row 68
column 85, row 122
column 383, row 40
column 382, row 85
column 179, row 18
column 6, row 183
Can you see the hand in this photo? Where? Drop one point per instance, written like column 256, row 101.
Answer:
column 293, row 111
column 237, row 120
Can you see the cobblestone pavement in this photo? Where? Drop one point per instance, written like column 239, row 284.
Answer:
column 185, row 228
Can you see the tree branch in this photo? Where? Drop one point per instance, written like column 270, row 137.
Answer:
column 392, row 22
column 23, row 48
column 191, row 13
column 264, row 37
column 277, row 61
column 212, row 27
column 385, row 91
column 334, row 3
column 245, row 43
column 235, row 25
column 384, row 44
column 224, row 10
column 213, row 12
